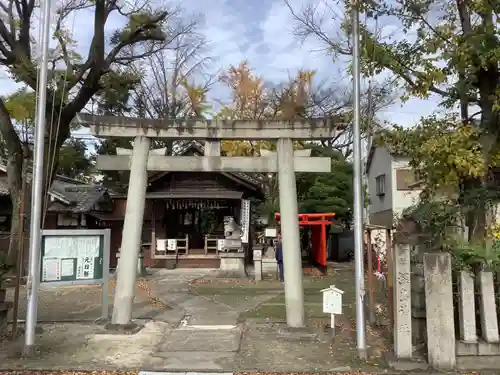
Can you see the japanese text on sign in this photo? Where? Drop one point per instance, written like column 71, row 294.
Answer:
column 85, row 268
column 71, row 247
column 51, row 270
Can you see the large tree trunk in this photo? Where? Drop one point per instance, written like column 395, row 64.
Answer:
column 56, row 134
column 54, row 139
column 15, row 181
column 17, row 227
column 472, row 198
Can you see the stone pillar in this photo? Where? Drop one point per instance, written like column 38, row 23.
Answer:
column 212, row 148
column 441, row 345
column 403, row 347
column 292, row 258
column 141, row 268
column 487, row 309
column 466, row 308
column 232, row 265
column 257, row 263
column 418, row 328
column 132, row 233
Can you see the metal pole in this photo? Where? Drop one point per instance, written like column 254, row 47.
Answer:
column 358, row 189
column 37, row 189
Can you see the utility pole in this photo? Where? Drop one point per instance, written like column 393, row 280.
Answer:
column 358, row 188
column 37, row 188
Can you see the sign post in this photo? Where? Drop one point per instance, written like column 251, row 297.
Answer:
column 76, row 257
column 332, row 304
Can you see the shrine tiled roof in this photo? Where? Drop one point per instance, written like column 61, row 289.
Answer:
column 200, row 148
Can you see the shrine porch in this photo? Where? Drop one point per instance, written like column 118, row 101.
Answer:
column 190, row 232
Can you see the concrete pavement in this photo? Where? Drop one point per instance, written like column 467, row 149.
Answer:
column 192, row 322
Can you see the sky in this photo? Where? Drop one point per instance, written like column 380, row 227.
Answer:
column 260, row 31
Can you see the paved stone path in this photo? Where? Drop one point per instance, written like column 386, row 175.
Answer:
column 213, row 325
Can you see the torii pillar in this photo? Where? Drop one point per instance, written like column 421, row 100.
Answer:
column 132, row 229
column 292, row 255
column 285, row 163
column 132, row 233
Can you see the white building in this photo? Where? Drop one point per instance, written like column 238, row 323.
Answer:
column 392, row 186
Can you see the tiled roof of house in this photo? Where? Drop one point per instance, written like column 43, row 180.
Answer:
column 81, row 198
column 71, row 195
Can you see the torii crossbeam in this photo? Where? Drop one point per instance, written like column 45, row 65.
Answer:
column 129, row 127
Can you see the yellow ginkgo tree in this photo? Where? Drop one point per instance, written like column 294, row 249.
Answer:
column 252, row 100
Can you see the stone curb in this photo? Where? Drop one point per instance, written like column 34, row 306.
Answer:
column 183, row 373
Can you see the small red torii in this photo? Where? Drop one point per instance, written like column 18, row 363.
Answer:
column 318, row 223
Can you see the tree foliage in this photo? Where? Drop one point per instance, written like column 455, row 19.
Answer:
column 74, row 76
column 328, row 192
column 73, row 161
column 449, row 49
column 253, row 99
column 455, row 53
column 301, row 96
column 443, row 151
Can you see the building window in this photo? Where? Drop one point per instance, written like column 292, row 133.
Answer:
column 68, row 220
column 406, row 179
column 380, row 185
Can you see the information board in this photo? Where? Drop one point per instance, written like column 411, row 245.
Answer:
column 76, row 257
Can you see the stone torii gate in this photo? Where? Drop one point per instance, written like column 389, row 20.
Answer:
column 142, row 160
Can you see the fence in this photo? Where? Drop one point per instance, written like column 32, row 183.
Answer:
column 452, row 314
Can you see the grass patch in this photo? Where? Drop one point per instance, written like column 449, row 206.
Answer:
column 238, row 300
column 231, row 284
column 319, row 283
column 210, row 291
column 277, row 313
column 308, row 298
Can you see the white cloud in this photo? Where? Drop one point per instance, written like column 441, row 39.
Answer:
column 287, row 54
column 260, row 32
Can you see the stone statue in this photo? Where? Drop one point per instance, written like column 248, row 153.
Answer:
column 232, row 234
column 232, row 231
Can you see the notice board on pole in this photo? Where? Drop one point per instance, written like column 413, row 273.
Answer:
column 76, row 257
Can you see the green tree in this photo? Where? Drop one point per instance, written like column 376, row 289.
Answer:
column 451, row 51
column 73, row 161
column 327, row 192
column 73, row 79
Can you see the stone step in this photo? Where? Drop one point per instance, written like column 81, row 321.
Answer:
column 198, row 340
